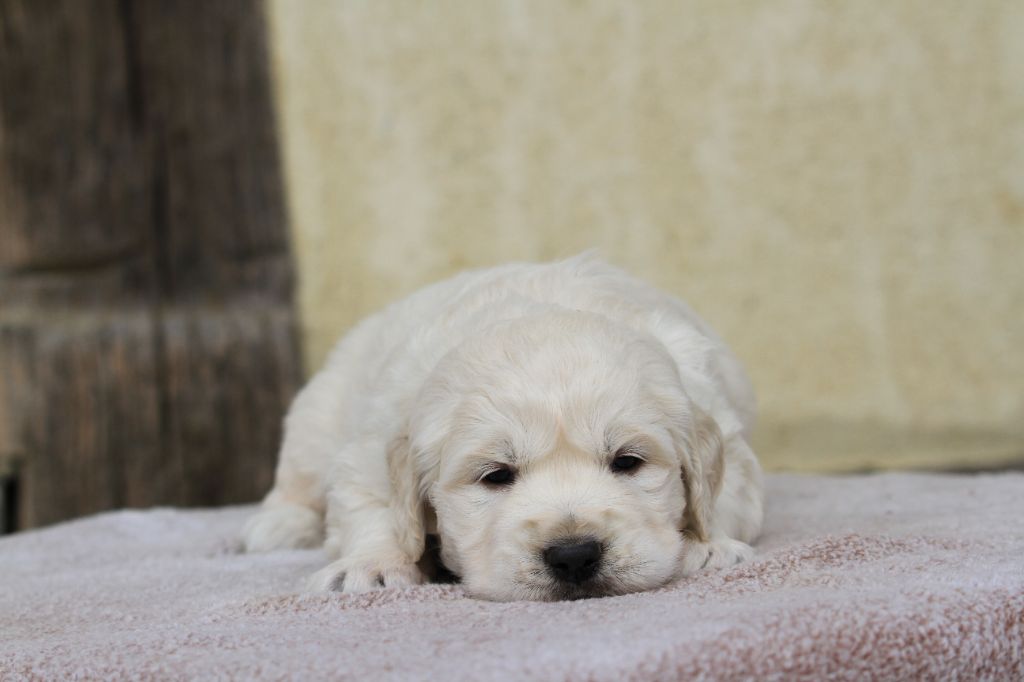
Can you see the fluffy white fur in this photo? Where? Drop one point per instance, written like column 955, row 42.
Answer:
column 550, row 371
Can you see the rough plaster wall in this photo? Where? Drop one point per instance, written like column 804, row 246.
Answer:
column 837, row 187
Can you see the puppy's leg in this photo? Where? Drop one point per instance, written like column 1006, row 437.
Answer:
column 368, row 559
column 362, row 528
column 291, row 515
column 281, row 524
column 737, row 517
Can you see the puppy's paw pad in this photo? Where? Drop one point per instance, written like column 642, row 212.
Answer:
column 353, row 579
column 405, row 575
column 330, row 578
column 720, row 552
column 728, row 552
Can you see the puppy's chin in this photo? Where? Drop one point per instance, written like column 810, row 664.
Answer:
column 597, row 587
column 544, row 588
column 555, row 591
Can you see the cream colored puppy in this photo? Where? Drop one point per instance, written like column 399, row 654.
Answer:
column 565, row 429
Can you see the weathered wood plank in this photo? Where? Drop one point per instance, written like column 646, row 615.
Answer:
column 121, row 408
column 208, row 109
column 147, row 331
column 86, row 400
column 69, row 152
column 228, row 372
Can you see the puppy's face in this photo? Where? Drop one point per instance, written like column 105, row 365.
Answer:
column 551, row 451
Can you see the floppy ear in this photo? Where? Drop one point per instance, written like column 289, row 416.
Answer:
column 703, row 465
column 407, row 508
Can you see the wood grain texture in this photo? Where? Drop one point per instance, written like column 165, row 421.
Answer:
column 71, row 147
column 147, row 331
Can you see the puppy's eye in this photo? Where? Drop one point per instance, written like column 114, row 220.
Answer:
column 500, row 477
column 625, row 463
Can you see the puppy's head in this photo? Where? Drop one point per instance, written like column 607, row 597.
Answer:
column 563, row 460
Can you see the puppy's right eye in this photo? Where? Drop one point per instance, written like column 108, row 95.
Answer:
column 626, row 463
column 500, row 477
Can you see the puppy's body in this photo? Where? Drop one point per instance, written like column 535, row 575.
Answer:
column 548, row 372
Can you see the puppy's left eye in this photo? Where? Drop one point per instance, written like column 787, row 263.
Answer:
column 625, row 463
column 500, row 477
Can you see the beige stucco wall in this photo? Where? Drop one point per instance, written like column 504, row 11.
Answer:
column 837, row 187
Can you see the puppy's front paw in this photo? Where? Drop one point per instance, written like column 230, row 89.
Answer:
column 353, row 577
column 720, row 552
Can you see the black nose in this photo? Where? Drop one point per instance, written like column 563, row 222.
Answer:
column 574, row 562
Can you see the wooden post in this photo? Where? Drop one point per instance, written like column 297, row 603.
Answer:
column 147, row 331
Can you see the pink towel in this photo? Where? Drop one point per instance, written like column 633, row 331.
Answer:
column 897, row 576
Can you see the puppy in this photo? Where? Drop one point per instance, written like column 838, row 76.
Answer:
column 566, row 431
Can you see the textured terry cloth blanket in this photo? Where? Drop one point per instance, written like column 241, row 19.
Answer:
column 897, row 576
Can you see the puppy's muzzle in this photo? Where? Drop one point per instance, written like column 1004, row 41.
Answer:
column 574, row 561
